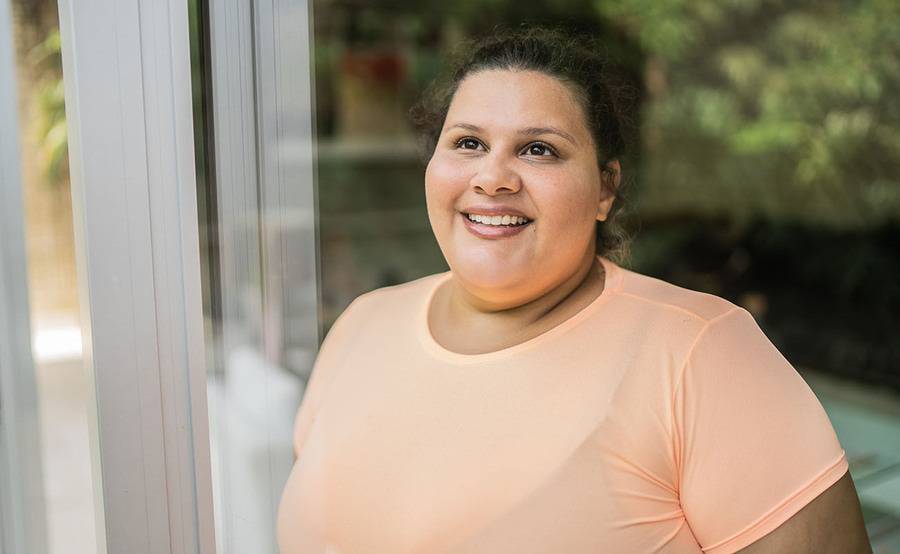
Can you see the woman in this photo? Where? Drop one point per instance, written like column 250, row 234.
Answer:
column 538, row 397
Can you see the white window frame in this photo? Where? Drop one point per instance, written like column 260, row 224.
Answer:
column 127, row 74
column 126, row 66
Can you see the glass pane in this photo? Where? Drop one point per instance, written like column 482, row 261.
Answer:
column 258, row 256
column 61, row 384
column 760, row 170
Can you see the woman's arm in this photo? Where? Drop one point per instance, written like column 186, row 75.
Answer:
column 832, row 523
column 760, row 463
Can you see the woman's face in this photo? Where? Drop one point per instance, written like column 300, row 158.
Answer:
column 514, row 142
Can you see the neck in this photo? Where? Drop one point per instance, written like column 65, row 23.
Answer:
column 517, row 316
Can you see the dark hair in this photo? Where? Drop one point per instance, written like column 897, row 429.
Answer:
column 574, row 60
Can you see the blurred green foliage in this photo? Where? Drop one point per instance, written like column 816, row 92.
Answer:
column 49, row 125
column 779, row 110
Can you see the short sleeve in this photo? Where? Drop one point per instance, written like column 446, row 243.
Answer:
column 331, row 352
column 753, row 443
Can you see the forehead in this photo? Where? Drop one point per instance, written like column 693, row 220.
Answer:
column 507, row 99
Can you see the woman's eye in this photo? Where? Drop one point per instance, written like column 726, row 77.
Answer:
column 537, row 148
column 469, row 141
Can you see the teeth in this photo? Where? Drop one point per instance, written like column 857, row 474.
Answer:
column 498, row 219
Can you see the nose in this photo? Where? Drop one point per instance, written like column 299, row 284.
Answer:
column 494, row 176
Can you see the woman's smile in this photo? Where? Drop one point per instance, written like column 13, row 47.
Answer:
column 496, row 226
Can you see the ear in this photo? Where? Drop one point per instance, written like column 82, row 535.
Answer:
column 610, row 177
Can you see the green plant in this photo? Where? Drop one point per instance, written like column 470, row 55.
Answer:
column 49, row 124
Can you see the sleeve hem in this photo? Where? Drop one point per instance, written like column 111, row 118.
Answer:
column 784, row 511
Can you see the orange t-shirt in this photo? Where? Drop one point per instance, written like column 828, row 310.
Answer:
column 656, row 419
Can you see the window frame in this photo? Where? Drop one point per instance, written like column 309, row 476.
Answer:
column 127, row 79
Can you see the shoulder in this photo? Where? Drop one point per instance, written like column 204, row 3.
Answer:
column 650, row 295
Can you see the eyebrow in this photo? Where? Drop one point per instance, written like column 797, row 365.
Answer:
column 527, row 131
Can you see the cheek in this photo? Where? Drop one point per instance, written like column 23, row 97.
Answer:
column 568, row 205
column 443, row 185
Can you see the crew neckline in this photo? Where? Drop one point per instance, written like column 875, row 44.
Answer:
column 612, row 283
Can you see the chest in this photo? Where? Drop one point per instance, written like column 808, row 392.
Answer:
column 415, row 459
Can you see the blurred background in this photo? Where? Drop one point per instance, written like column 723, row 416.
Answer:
column 765, row 168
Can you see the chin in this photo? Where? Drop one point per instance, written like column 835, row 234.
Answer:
column 484, row 271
